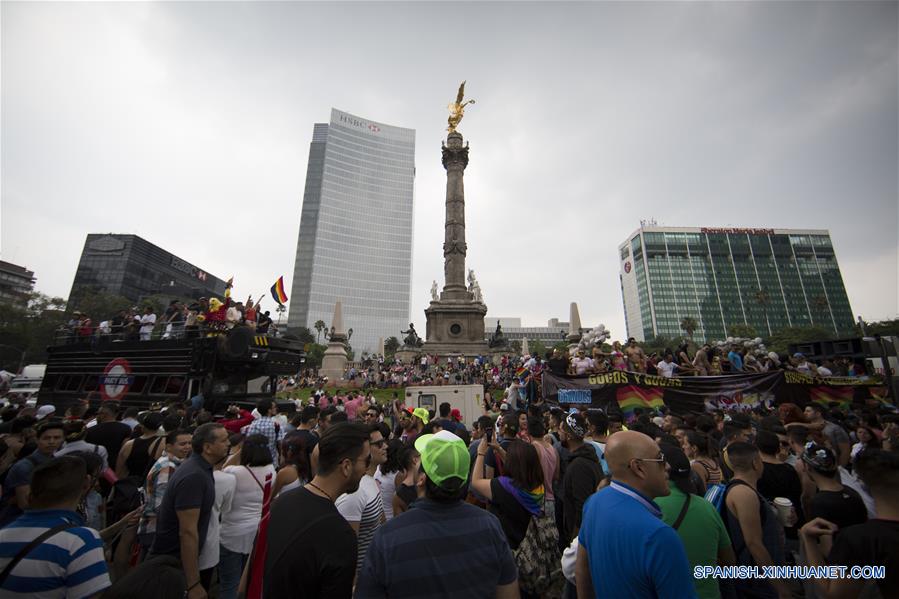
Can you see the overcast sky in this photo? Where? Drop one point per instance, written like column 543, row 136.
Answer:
column 189, row 124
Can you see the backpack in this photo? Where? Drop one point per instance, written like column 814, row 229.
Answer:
column 538, row 558
column 715, row 495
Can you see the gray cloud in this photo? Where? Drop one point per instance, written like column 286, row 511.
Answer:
column 189, row 124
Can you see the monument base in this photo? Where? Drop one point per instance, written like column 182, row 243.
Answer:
column 456, row 327
column 334, row 361
column 407, row 356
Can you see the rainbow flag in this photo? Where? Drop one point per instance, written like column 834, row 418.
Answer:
column 630, row 397
column 879, row 394
column 278, row 291
column 825, row 395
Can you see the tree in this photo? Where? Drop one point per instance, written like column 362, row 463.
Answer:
column 763, row 300
column 100, row 305
column 688, row 324
column 537, row 346
column 742, row 330
column 659, row 344
column 319, row 326
column 315, row 354
column 884, row 328
column 391, row 344
column 27, row 327
column 304, row 335
column 780, row 341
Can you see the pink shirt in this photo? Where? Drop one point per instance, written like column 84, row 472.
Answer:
column 352, row 406
column 548, row 464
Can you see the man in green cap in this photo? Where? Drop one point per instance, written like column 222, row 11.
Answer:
column 442, row 547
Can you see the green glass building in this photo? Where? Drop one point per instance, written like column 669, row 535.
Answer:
column 768, row 278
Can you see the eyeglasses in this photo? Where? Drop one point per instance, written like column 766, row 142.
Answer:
column 660, row 459
column 378, row 443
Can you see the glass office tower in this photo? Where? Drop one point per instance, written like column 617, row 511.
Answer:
column 133, row 268
column 355, row 241
column 767, row 278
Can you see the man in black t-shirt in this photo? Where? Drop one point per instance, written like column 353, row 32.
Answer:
column 315, row 555
column 833, row 502
column 306, row 429
column 874, row 543
column 182, row 520
column 109, row 432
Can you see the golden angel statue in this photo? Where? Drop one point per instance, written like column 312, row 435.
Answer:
column 457, row 109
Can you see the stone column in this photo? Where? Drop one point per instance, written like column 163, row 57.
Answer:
column 455, row 159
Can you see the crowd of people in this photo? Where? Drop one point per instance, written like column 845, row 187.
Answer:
column 350, row 497
column 708, row 360
column 179, row 320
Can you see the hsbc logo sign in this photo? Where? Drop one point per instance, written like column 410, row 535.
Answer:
column 352, row 121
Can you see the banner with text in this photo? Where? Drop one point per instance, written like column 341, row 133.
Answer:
column 623, row 392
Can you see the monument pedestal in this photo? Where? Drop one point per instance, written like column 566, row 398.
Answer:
column 456, row 326
column 335, row 359
column 334, row 362
column 407, row 356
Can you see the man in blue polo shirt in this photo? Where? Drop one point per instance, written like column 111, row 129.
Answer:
column 626, row 550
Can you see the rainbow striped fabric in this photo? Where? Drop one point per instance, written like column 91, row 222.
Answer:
column 278, row 291
column 826, row 395
column 630, row 397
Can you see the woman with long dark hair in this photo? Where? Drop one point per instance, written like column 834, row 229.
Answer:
column 240, row 521
column 386, row 475
column 517, row 495
column 406, row 480
column 701, row 453
column 294, row 472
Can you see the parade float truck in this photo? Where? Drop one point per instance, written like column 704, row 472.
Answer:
column 237, row 366
column 469, row 399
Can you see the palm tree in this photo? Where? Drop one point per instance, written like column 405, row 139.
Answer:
column 763, row 300
column 319, row 326
column 688, row 324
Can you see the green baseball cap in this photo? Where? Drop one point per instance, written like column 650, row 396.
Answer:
column 422, row 414
column 443, row 456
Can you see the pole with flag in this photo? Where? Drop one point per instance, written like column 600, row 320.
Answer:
column 280, row 297
column 278, row 291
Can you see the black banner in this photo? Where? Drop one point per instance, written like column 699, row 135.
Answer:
column 623, row 392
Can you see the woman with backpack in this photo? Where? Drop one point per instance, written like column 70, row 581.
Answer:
column 517, row 499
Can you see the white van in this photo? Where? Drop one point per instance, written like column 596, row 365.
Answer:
column 468, row 399
column 26, row 385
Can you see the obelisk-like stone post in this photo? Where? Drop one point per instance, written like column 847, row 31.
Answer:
column 335, row 360
column 574, row 328
column 455, row 159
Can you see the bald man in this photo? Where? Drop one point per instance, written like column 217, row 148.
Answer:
column 626, row 550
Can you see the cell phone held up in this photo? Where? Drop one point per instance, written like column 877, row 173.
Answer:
column 489, row 434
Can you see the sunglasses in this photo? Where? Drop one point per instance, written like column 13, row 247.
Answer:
column 660, row 459
column 379, row 443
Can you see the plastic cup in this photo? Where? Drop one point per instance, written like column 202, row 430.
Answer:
column 784, row 509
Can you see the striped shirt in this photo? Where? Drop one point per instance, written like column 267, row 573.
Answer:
column 69, row 565
column 366, row 507
column 154, row 491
